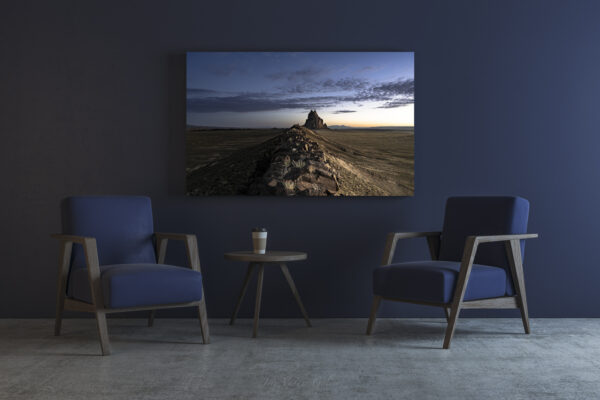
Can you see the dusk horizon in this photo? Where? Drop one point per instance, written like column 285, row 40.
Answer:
column 300, row 122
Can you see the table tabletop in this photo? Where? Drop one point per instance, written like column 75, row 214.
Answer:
column 269, row 256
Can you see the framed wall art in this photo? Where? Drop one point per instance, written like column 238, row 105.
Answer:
column 300, row 123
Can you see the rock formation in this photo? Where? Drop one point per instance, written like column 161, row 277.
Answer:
column 314, row 121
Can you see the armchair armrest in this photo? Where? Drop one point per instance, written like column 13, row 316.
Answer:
column 172, row 236
column 502, row 238
column 433, row 239
column 72, row 238
column 409, row 235
column 191, row 247
column 90, row 251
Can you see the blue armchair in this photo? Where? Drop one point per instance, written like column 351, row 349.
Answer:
column 476, row 262
column 112, row 261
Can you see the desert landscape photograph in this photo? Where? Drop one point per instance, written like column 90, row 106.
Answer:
column 300, row 124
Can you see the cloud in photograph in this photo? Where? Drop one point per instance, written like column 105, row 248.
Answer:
column 401, row 87
column 344, row 111
column 303, row 74
column 250, row 102
column 394, row 94
column 397, row 103
column 327, row 85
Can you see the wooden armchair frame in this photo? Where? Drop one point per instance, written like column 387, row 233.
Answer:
column 97, row 306
column 452, row 309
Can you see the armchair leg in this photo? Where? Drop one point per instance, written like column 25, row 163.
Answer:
column 63, row 272
column 454, row 311
column 60, row 305
column 374, row 308
column 203, row 321
column 525, row 316
column 151, row 316
column 461, row 287
column 103, row 332
column 513, row 249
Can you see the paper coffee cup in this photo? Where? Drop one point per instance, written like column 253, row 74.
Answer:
column 259, row 241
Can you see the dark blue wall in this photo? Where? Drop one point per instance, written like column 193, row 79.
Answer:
column 507, row 102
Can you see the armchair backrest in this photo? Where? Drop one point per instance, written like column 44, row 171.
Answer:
column 122, row 225
column 484, row 215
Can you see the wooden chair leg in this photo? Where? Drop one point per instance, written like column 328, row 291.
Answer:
column 513, row 249
column 151, row 316
column 103, row 332
column 454, row 311
column 58, row 320
column 290, row 281
column 203, row 321
column 63, row 272
column 242, row 293
column 60, row 305
column 259, row 284
column 447, row 314
column 374, row 308
column 461, row 286
column 524, row 316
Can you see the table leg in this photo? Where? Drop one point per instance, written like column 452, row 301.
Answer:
column 259, row 284
column 151, row 317
column 290, row 281
column 242, row 293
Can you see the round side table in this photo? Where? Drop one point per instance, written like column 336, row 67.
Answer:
column 260, row 260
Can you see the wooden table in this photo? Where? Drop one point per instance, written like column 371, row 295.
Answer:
column 260, row 260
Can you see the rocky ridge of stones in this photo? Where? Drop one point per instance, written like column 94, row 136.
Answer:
column 298, row 166
column 293, row 163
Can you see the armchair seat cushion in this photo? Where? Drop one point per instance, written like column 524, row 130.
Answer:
column 137, row 285
column 434, row 281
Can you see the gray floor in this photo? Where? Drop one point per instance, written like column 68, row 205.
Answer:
column 489, row 358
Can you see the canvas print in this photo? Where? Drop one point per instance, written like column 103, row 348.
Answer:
column 300, row 124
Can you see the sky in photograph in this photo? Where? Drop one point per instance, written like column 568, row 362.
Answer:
column 264, row 90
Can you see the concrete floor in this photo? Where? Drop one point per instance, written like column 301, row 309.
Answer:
column 489, row 358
